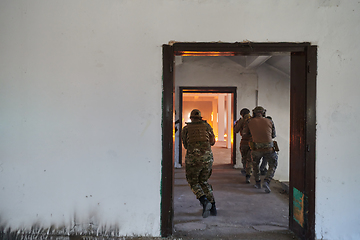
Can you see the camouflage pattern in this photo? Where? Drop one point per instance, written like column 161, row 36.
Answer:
column 259, row 109
column 244, row 143
column 272, row 159
column 199, row 158
column 197, row 133
column 263, row 150
column 197, row 176
column 239, row 128
column 246, row 159
column 263, row 145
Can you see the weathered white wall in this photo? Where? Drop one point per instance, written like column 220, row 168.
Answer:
column 217, row 71
column 274, row 95
column 80, row 123
column 80, row 103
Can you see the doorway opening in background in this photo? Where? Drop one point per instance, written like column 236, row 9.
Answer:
column 217, row 108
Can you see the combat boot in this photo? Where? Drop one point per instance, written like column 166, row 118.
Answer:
column 213, row 211
column 206, row 206
column 247, row 179
column 257, row 185
column 266, row 186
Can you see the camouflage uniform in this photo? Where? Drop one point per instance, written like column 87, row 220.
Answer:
column 263, row 165
column 198, row 137
column 244, row 144
column 262, row 131
column 272, row 159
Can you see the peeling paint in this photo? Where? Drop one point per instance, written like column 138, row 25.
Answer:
column 298, row 207
column 88, row 231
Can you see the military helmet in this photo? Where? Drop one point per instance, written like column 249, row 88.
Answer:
column 195, row 113
column 244, row 111
column 259, row 109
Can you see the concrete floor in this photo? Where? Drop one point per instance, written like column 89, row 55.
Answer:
column 243, row 211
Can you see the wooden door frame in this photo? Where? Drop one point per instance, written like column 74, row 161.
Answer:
column 197, row 89
column 307, row 71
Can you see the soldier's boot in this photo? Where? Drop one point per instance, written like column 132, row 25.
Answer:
column 213, row 211
column 266, row 186
column 206, row 206
column 257, row 185
column 247, row 180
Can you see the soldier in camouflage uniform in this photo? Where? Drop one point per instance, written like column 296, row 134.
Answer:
column 263, row 169
column 244, row 143
column 262, row 131
column 198, row 137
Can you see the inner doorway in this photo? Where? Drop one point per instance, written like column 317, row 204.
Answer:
column 302, row 127
column 213, row 102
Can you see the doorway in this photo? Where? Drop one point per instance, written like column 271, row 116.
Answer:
column 302, row 125
column 213, row 102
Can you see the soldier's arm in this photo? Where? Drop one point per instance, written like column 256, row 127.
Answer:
column 211, row 135
column 237, row 126
column 246, row 129
column 242, row 125
column 273, row 134
column 212, row 138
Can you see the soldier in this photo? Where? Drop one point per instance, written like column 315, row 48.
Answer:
column 244, row 143
column 198, row 137
column 263, row 169
column 262, row 131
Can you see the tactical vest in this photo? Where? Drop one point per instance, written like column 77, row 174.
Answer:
column 197, row 132
column 261, row 130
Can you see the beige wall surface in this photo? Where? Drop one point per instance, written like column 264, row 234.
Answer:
column 80, row 101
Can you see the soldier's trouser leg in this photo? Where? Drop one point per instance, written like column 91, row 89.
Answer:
column 197, row 176
column 263, row 164
column 243, row 157
column 272, row 159
column 203, row 181
column 256, row 156
column 246, row 157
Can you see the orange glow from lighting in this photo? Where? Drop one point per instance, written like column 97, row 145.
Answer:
column 203, row 53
